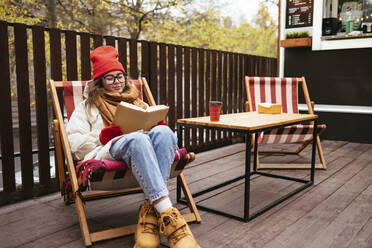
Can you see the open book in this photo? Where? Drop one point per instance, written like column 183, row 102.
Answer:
column 131, row 118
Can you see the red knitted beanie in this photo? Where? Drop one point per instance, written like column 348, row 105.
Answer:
column 105, row 59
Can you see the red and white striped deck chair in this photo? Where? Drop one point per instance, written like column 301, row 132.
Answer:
column 94, row 179
column 284, row 91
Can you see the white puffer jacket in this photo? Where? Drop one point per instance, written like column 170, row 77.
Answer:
column 83, row 131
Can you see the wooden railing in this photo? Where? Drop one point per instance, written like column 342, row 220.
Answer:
column 185, row 78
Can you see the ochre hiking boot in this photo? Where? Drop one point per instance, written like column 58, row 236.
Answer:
column 175, row 229
column 147, row 232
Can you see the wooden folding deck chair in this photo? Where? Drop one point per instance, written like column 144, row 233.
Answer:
column 284, row 91
column 113, row 183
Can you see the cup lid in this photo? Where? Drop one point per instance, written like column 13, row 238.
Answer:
column 215, row 102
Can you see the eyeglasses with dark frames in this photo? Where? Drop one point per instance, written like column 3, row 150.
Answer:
column 110, row 79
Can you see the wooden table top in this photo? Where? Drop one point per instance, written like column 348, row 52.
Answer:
column 248, row 120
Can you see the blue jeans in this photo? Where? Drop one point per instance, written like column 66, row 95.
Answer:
column 150, row 156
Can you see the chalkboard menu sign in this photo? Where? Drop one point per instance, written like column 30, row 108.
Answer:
column 299, row 13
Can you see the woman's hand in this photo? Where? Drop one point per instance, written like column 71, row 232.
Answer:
column 108, row 133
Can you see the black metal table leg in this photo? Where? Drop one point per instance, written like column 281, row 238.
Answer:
column 255, row 152
column 247, row 178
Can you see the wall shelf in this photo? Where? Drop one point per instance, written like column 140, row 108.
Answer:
column 296, row 42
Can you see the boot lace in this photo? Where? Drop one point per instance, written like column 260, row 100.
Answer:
column 172, row 220
column 148, row 227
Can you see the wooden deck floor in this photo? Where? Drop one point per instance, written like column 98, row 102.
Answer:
column 335, row 212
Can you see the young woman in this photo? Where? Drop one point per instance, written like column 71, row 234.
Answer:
column 148, row 154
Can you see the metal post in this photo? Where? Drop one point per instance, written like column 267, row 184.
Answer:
column 255, row 152
column 247, row 175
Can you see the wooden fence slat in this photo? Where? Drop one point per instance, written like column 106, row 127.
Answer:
column 259, row 67
column 71, row 56
column 55, row 54
column 250, row 66
column 201, row 99
column 225, row 89
column 214, row 88
column 252, row 61
column 24, row 113
column 219, row 76
column 38, row 39
column 237, row 84
column 208, row 91
column 133, row 53
column 145, row 63
column 110, row 41
column 234, row 79
column 274, row 68
column 241, row 84
column 84, row 56
column 6, row 130
column 194, row 97
column 238, row 89
column 230, row 96
column 262, row 66
column 245, row 73
column 253, row 65
column 219, row 85
column 162, row 74
column 231, row 83
column 187, row 98
column 56, row 59
column 122, row 49
column 270, row 67
column 265, row 67
column 171, row 87
column 179, row 68
column 97, row 40
column 154, row 70
column 56, row 69
column 247, row 63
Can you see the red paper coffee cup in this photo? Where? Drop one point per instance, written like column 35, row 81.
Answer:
column 214, row 110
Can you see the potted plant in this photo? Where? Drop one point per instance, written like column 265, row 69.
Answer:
column 296, row 39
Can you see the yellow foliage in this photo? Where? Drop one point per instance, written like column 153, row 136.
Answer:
column 25, row 11
column 152, row 20
column 212, row 31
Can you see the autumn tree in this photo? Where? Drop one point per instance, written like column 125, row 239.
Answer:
column 112, row 17
column 266, row 33
column 206, row 28
column 31, row 12
column 170, row 21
